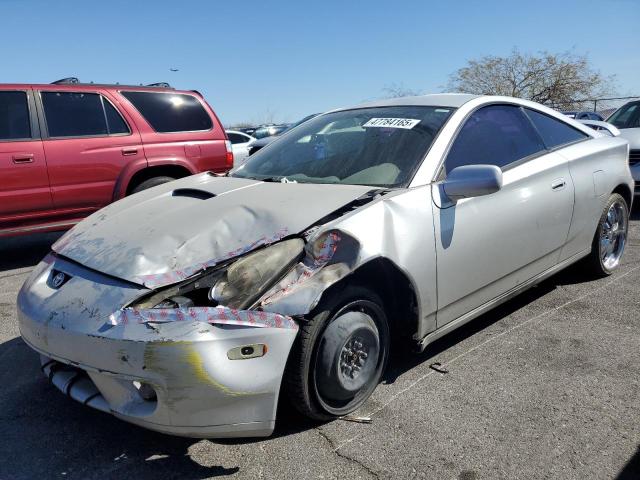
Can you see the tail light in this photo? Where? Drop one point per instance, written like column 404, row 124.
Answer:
column 227, row 144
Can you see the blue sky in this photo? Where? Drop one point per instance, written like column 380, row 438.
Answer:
column 255, row 59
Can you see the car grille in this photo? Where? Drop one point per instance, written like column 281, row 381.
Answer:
column 634, row 157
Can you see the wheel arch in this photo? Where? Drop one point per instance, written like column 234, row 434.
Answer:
column 626, row 193
column 175, row 171
column 395, row 289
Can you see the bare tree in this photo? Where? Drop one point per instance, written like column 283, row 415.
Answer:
column 556, row 79
column 399, row 90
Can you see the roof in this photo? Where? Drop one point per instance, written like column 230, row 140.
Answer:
column 453, row 100
column 87, row 86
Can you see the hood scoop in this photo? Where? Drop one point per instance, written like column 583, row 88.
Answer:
column 193, row 193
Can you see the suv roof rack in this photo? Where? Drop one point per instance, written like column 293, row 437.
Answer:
column 75, row 81
column 66, row 81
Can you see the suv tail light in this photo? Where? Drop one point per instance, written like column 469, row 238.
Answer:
column 227, row 144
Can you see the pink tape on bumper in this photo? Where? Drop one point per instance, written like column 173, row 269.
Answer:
column 156, row 280
column 213, row 315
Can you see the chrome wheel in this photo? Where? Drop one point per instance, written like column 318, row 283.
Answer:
column 613, row 235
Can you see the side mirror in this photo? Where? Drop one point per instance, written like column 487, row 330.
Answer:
column 472, row 181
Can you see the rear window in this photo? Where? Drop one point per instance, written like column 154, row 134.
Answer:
column 171, row 112
column 14, row 116
column 554, row 133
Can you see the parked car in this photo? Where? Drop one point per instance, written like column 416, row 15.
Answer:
column 240, row 144
column 69, row 149
column 263, row 142
column 584, row 115
column 269, row 130
column 186, row 308
column 627, row 119
column 247, row 130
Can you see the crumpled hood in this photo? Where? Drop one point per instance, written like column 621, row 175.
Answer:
column 182, row 225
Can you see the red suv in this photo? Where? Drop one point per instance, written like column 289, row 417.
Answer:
column 69, row 149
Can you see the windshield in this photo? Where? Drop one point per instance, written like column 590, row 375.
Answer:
column 380, row 146
column 627, row 116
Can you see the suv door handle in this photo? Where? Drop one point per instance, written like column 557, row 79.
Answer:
column 23, row 158
column 558, row 184
column 129, row 151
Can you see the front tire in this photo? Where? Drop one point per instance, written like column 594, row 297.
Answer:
column 610, row 237
column 339, row 356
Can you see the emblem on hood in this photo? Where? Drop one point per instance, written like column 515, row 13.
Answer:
column 58, row 279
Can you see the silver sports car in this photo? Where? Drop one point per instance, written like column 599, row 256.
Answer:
column 188, row 308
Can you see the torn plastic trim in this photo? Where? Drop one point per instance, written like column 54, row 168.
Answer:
column 328, row 258
column 211, row 315
column 157, row 280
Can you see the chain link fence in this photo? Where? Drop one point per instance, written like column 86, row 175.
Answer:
column 604, row 106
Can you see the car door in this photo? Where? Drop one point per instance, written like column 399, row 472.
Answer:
column 87, row 143
column 24, row 185
column 486, row 246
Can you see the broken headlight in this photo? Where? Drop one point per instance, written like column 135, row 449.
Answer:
column 248, row 278
column 238, row 285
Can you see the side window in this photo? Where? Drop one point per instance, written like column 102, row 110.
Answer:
column 237, row 138
column 71, row 114
column 554, row 132
column 14, row 116
column 494, row 135
column 171, row 112
column 115, row 122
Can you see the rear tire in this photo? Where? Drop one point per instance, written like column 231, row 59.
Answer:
column 339, row 356
column 152, row 182
column 610, row 237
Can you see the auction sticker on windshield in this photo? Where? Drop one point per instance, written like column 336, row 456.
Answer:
column 407, row 123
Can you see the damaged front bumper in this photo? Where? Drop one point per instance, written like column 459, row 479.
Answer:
column 192, row 377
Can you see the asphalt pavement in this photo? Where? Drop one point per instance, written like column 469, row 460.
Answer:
column 545, row 386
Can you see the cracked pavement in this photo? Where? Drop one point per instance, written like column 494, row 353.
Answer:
column 545, row 386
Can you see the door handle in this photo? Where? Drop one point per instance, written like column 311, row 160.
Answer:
column 558, row 184
column 23, row 158
column 127, row 152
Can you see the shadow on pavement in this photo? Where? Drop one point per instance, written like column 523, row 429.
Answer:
column 47, row 435
column 631, row 470
column 25, row 250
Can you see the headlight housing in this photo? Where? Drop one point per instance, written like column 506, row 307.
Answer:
column 248, row 278
column 239, row 285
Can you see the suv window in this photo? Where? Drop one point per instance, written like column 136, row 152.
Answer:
column 115, row 122
column 14, row 116
column 494, row 135
column 71, row 114
column 170, row 112
column 237, row 138
column 554, row 132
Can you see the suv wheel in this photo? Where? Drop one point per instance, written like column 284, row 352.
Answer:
column 152, row 182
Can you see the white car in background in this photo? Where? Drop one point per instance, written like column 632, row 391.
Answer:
column 240, row 143
column 627, row 119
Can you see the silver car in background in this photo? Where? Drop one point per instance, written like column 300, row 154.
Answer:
column 190, row 307
column 627, row 120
